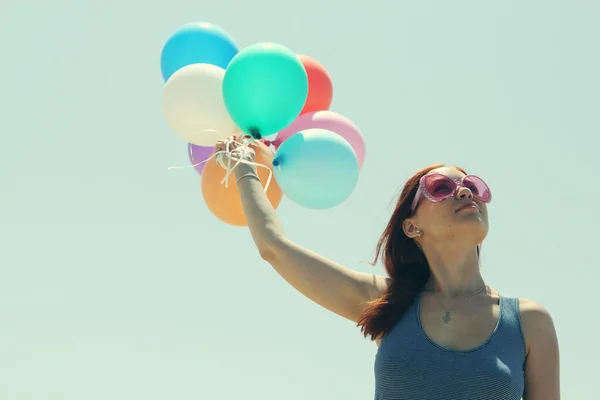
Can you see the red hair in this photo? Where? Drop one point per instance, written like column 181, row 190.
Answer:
column 404, row 262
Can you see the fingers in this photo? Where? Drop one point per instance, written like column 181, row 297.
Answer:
column 220, row 146
column 226, row 144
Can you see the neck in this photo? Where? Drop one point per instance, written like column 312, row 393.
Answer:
column 454, row 271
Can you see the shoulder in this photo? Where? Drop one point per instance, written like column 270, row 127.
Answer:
column 383, row 283
column 379, row 286
column 536, row 322
column 533, row 312
column 542, row 369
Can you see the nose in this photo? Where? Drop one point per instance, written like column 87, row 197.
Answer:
column 464, row 193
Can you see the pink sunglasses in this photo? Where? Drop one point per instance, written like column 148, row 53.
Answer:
column 438, row 187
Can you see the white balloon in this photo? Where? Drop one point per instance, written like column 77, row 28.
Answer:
column 193, row 105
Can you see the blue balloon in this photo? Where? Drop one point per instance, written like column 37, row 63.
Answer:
column 265, row 88
column 197, row 43
column 316, row 168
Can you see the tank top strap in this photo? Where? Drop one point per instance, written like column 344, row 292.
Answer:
column 509, row 311
column 510, row 324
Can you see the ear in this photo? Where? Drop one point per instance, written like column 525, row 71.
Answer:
column 409, row 228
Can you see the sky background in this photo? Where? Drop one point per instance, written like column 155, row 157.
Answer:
column 118, row 283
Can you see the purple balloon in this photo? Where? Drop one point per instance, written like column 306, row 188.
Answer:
column 199, row 154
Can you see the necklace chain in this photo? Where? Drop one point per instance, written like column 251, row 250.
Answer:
column 447, row 312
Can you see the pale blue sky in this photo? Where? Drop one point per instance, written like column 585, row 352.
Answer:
column 117, row 283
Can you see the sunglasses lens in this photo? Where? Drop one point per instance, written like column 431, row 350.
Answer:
column 439, row 186
column 479, row 188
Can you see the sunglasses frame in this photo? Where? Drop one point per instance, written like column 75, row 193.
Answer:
column 422, row 190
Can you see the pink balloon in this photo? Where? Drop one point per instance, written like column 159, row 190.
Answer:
column 330, row 121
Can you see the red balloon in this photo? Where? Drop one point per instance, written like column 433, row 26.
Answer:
column 320, row 88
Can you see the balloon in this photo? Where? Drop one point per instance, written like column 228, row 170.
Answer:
column 199, row 154
column 330, row 121
column 316, row 168
column 264, row 88
column 320, row 88
column 196, row 43
column 224, row 202
column 193, row 105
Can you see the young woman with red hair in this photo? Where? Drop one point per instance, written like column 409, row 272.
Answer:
column 442, row 332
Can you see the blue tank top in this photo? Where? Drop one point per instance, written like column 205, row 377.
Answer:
column 410, row 366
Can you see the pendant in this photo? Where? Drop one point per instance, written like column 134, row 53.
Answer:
column 446, row 317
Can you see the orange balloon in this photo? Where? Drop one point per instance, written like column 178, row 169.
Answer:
column 224, row 202
column 320, row 88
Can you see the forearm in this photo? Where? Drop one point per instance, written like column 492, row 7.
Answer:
column 263, row 222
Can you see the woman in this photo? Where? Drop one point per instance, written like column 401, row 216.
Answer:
column 442, row 332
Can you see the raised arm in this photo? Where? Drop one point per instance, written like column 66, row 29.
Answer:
column 337, row 288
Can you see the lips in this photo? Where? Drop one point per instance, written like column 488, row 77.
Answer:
column 467, row 205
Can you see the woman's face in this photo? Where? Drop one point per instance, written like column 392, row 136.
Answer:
column 460, row 216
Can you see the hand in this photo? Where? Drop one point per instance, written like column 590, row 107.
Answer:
column 234, row 150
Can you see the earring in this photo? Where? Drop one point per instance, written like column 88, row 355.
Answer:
column 419, row 232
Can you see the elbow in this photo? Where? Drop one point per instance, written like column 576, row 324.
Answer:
column 267, row 254
column 270, row 250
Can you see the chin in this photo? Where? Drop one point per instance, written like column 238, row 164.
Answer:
column 477, row 229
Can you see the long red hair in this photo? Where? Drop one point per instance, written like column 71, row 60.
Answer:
column 404, row 262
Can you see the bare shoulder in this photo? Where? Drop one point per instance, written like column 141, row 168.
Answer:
column 542, row 362
column 536, row 321
column 379, row 285
column 533, row 311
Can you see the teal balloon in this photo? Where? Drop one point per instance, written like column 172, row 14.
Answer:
column 197, row 43
column 264, row 88
column 316, row 168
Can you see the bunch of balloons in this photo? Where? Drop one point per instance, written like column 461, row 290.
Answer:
column 214, row 91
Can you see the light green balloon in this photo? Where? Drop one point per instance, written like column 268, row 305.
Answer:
column 264, row 88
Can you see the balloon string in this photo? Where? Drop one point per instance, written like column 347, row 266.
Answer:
column 228, row 167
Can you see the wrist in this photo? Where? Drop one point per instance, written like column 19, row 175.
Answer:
column 244, row 169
